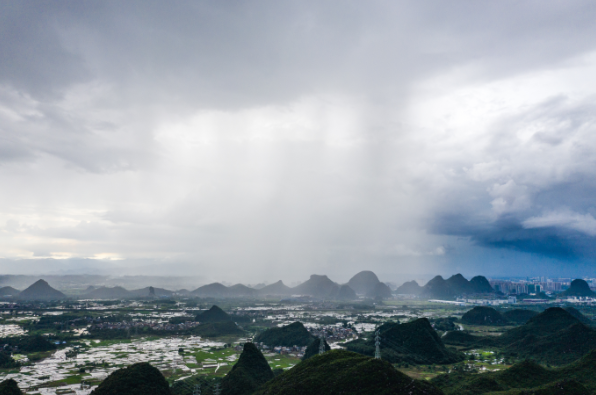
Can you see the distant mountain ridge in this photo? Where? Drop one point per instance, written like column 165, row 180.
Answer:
column 363, row 284
column 439, row 288
column 454, row 286
column 278, row 288
column 122, row 293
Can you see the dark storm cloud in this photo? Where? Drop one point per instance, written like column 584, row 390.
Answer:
column 541, row 189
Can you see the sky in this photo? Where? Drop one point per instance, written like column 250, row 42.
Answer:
column 247, row 141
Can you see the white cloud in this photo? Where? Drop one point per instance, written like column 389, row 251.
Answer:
column 584, row 223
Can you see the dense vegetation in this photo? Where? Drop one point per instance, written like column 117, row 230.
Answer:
column 208, row 385
column 9, row 387
column 250, row 372
column 483, row 315
column 137, row 379
column 294, row 334
column 577, row 314
column 575, row 378
column 444, row 324
column 28, row 344
column 216, row 329
column 553, row 336
column 564, row 387
column 519, row 316
column 63, row 321
column 414, row 342
column 6, row 360
column 313, row 348
column 463, row 338
column 346, row 373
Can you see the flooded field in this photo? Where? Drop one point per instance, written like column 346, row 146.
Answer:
column 11, row 330
column 82, row 361
column 63, row 371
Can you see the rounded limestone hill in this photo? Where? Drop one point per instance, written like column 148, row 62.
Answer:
column 413, row 342
column 40, row 290
column 138, row 379
column 409, row 288
column 294, row 334
column 548, row 322
column 346, row 373
column 483, row 315
column 364, row 282
column 9, row 387
column 250, row 372
column 578, row 287
column 214, row 314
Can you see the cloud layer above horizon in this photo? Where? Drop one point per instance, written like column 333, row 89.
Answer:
column 264, row 140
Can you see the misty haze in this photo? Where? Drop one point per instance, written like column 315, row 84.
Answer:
column 297, row 197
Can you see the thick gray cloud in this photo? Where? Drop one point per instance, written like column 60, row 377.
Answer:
column 263, row 140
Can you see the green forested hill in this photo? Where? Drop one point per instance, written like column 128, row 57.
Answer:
column 577, row 314
column 215, row 329
column 548, row 322
column 294, row 334
column 214, row 314
column 250, row 372
column 9, row 387
column 138, row 379
column 346, row 373
column 553, row 336
column 413, row 342
column 483, row 315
